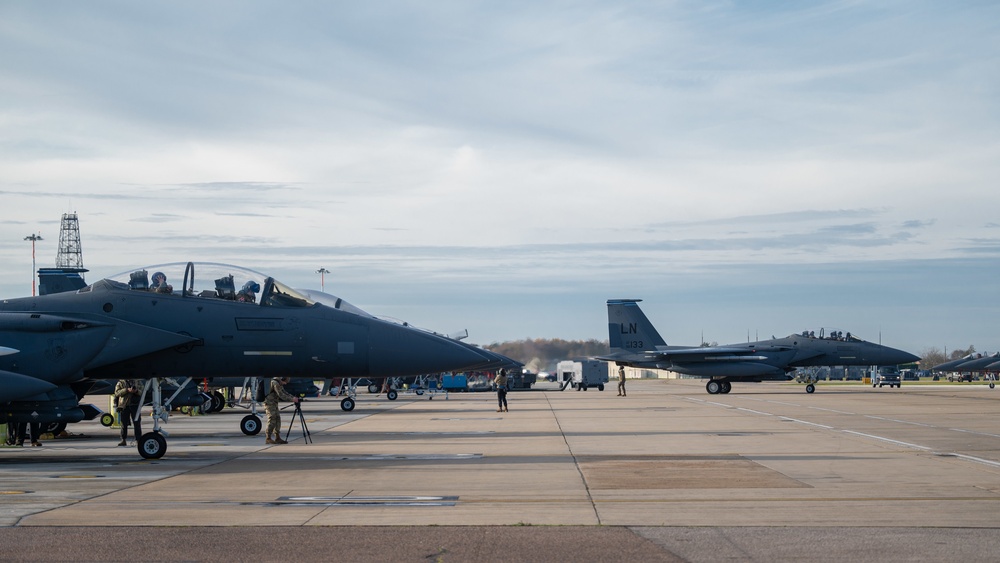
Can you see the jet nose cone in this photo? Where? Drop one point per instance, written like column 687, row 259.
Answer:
column 398, row 350
column 896, row 357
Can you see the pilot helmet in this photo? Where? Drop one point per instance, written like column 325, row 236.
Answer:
column 251, row 286
column 159, row 277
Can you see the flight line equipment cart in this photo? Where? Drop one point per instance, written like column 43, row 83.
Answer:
column 582, row 375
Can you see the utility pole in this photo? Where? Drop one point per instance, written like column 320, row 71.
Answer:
column 322, row 278
column 33, row 238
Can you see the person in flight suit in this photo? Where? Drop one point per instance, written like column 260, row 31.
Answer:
column 127, row 400
column 621, row 381
column 160, row 284
column 276, row 394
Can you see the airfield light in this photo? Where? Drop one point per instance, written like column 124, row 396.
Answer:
column 322, row 278
column 33, row 238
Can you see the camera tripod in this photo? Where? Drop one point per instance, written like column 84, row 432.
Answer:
column 297, row 414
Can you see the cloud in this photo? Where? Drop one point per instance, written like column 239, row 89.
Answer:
column 520, row 163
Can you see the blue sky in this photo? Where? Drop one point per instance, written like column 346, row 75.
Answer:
column 747, row 169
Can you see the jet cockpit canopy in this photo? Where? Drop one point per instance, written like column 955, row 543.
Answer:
column 834, row 334
column 211, row 280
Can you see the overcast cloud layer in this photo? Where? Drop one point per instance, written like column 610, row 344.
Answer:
column 507, row 167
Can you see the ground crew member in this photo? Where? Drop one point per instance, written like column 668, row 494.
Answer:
column 271, row 406
column 501, row 382
column 621, row 381
column 127, row 400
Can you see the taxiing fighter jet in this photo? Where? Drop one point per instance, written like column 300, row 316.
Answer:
column 634, row 342
column 219, row 321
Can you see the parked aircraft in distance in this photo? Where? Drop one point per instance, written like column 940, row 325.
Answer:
column 634, row 342
column 974, row 363
column 950, row 365
column 224, row 322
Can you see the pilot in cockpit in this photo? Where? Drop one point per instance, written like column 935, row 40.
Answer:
column 159, row 284
column 248, row 294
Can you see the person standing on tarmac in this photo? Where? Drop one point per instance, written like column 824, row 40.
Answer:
column 22, row 428
column 271, row 406
column 127, row 400
column 621, row 381
column 501, row 382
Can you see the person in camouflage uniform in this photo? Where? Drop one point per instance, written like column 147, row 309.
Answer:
column 501, row 384
column 127, row 399
column 276, row 394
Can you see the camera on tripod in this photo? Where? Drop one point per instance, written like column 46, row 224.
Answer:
column 297, row 414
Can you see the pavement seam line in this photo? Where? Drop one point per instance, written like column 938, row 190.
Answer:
column 576, row 461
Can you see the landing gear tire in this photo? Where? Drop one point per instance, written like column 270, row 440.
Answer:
column 992, row 385
column 218, row 402
column 713, row 387
column 810, row 388
column 250, row 425
column 152, row 445
column 419, row 392
column 107, row 420
column 391, row 395
column 347, row 405
column 373, row 388
column 726, row 387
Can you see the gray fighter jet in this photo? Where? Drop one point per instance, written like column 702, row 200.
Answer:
column 634, row 342
column 952, row 364
column 988, row 364
column 220, row 321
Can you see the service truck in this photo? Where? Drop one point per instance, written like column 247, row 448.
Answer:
column 583, row 374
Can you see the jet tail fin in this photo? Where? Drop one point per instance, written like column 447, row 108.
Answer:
column 628, row 328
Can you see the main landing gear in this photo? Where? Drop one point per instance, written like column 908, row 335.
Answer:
column 716, row 386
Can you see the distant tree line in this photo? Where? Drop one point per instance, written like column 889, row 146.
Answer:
column 542, row 354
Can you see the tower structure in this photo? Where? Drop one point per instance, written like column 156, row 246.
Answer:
column 70, row 253
column 69, row 270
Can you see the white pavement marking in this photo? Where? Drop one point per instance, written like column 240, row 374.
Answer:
column 863, row 434
column 890, row 440
column 901, row 421
column 806, row 422
column 975, row 432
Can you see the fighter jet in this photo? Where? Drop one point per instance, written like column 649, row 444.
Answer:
column 634, row 342
column 139, row 326
column 988, row 364
column 950, row 365
column 979, row 364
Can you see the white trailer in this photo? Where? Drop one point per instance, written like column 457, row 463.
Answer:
column 583, row 374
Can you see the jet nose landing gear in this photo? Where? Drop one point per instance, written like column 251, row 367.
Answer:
column 152, row 445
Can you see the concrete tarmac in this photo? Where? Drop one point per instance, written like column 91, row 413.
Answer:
column 669, row 473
